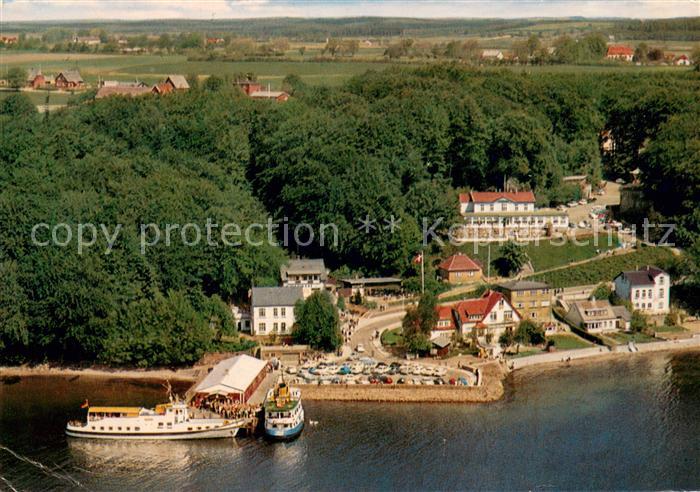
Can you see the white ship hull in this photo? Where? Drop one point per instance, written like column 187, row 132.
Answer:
column 229, row 431
column 167, row 422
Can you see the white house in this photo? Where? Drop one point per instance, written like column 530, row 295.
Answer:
column 272, row 309
column 492, row 54
column 597, row 316
column 242, row 316
column 487, row 317
column 311, row 275
column 648, row 289
column 492, row 211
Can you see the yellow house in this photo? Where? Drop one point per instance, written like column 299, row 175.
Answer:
column 532, row 299
column 459, row 269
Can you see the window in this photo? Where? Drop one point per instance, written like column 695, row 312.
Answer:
column 483, row 207
column 508, row 315
column 274, row 312
column 504, row 207
column 261, row 311
column 274, row 327
column 283, row 311
column 516, row 207
column 284, row 326
column 128, row 428
column 111, row 428
column 160, row 425
column 661, row 280
column 533, row 314
column 661, row 305
column 636, row 294
column 491, row 207
column 102, row 428
column 493, row 316
column 137, row 429
column 261, row 327
column 661, row 292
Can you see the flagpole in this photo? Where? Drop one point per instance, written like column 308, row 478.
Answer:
column 422, row 272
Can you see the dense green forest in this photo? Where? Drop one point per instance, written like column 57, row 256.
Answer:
column 319, row 29
column 399, row 144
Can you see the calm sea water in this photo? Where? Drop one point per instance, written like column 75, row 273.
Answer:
column 631, row 424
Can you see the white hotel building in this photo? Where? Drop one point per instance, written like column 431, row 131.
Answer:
column 504, row 213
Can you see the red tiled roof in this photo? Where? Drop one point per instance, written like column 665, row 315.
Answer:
column 445, row 313
column 463, row 197
column 478, row 307
column 492, row 196
column 121, row 91
column 458, row 263
column 620, row 50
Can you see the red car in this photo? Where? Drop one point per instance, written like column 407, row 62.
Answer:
column 453, row 381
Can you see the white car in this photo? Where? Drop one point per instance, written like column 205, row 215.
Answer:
column 572, row 204
column 360, row 349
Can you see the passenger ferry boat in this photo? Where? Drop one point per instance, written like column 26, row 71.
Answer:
column 284, row 414
column 166, row 421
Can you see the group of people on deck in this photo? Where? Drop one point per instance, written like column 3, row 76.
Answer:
column 225, row 407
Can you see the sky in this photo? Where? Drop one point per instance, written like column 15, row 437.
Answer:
column 18, row 10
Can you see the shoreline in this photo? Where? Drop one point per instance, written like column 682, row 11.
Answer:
column 492, row 389
column 188, row 375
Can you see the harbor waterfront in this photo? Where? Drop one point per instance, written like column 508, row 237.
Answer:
column 555, row 428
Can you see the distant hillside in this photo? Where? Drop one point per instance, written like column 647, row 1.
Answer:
column 320, row 29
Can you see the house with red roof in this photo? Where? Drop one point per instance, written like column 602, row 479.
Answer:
column 486, row 317
column 445, row 323
column 459, row 269
column 620, row 52
column 506, row 213
column 682, row 60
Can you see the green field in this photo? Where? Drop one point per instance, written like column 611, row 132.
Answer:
column 569, row 342
column 621, row 338
column 39, row 97
column 604, row 269
column 547, row 254
column 152, row 68
column 392, row 337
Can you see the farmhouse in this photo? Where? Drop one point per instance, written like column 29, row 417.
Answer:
column 272, row 309
column 87, row 40
column 9, row 38
column 492, row 54
column 504, row 213
column 619, row 52
column 69, row 79
column 127, row 91
column 682, row 60
column 236, row 378
column 177, row 82
column 278, row 96
column 249, row 86
column 459, row 268
column 648, row 289
column 35, row 78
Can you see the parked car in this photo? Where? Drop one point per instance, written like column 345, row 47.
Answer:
column 360, row 349
column 572, row 204
column 439, row 381
column 453, row 381
column 401, row 381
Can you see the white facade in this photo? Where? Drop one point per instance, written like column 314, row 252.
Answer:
column 310, row 275
column 501, row 205
column 272, row 310
column 648, row 290
column 271, row 320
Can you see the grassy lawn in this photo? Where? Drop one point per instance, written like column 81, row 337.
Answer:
column 569, row 342
column 525, row 353
column 392, row 337
column 604, row 269
column 547, row 254
column 621, row 338
column 669, row 329
column 39, row 98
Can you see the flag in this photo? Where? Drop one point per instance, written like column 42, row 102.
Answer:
column 418, row 259
column 85, row 404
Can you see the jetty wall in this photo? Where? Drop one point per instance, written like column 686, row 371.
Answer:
column 490, row 390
